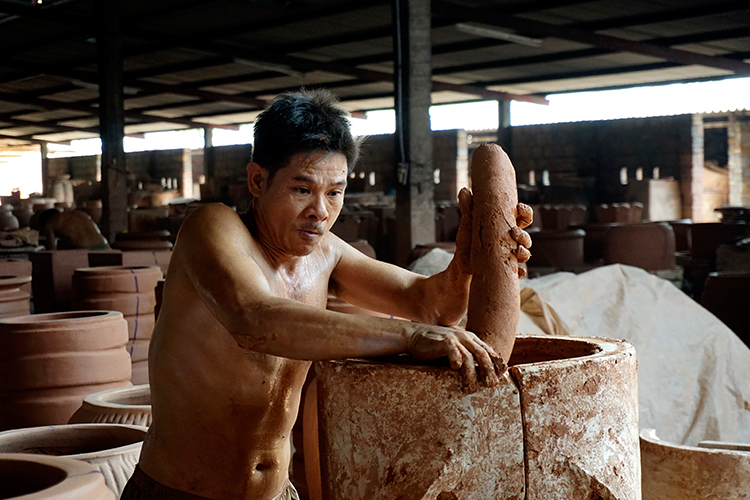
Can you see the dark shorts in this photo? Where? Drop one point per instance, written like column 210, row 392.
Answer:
column 142, row 487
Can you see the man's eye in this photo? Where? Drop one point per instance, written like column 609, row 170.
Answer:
column 303, row 190
column 334, row 194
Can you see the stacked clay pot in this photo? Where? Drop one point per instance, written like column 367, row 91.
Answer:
column 50, row 362
column 38, row 477
column 129, row 290
column 13, row 300
column 126, row 405
column 112, row 448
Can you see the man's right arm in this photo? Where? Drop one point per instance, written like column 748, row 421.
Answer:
column 218, row 257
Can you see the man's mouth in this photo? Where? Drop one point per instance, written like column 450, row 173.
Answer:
column 311, row 231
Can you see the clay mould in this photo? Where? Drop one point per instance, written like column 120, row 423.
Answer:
column 37, row 477
column 113, row 449
column 50, row 362
column 126, row 405
column 562, row 424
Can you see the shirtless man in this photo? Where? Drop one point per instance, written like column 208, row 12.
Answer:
column 75, row 229
column 243, row 315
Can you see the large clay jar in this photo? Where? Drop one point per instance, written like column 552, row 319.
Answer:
column 13, row 300
column 562, row 250
column 648, row 246
column 126, row 405
column 562, row 424
column 50, row 362
column 37, row 477
column 678, row 472
column 129, row 290
column 112, row 448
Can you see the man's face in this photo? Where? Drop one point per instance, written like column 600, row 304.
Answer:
column 302, row 201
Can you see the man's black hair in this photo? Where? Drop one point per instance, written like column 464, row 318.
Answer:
column 308, row 120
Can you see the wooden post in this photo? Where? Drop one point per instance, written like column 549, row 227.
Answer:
column 415, row 205
column 111, row 119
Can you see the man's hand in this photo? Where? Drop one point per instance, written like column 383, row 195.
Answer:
column 463, row 238
column 465, row 352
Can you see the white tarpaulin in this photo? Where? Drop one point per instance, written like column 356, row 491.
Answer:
column 693, row 371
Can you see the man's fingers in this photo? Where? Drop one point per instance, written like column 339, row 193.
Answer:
column 465, row 204
column 468, row 371
column 521, row 272
column 522, row 254
column 525, row 215
column 486, row 366
column 521, row 237
column 455, row 356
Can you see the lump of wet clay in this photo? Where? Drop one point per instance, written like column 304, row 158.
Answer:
column 494, row 297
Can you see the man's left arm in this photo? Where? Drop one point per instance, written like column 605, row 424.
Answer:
column 441, row 299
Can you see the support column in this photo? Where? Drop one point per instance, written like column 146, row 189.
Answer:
column 111, row 119
column 692, row 177
column 415, row 204
column 208, row 153
column 504, row 132
column 45, row 168
column 739, row 162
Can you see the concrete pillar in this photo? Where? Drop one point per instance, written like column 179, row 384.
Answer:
column 739, row 162
column 504, row 131
column 111, row 118
column 209, row 161
column 45, row 168
column 415, row 205
column 692, row 176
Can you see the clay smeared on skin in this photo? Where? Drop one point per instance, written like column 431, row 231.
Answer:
column 494, row 297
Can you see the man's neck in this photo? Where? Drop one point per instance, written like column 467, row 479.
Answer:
column 282, row 262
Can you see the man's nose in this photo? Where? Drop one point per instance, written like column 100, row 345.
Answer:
column 317, row 209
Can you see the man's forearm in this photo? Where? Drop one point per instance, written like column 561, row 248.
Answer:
column 294, row 330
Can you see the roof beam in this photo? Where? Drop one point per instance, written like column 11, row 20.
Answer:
column 536, row 28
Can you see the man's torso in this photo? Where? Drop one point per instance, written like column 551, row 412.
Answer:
column 223, row 414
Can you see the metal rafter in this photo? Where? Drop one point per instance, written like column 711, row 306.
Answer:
column 536, row 28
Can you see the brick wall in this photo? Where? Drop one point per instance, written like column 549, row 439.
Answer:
column 376, row 168
column 584, row 159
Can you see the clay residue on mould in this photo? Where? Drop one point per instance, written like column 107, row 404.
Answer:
column 494, row 298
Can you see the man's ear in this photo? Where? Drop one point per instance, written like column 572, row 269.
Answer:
column 256, row 178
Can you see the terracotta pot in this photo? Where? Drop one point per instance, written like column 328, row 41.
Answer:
column 125, row 405
column 140, row 372
column 116, row 279
column 129, row 290
column 562, row 424
column 678, row 472
column 14, row 301
column 648, row 246
column 558, row 249
column 112, row 448
column 132, row 258
column 37, row 477
column 50, row 362
column 142, row 245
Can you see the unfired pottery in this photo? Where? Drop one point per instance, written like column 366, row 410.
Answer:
column 50, row 362
column 13, row 300
column 677, row 472
column 648, row 246
column 37, row 477
column 562, row 250
column 8, row 221
column 112, row 448
column 125, row 405
column 129, row 290
column 562, row 425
